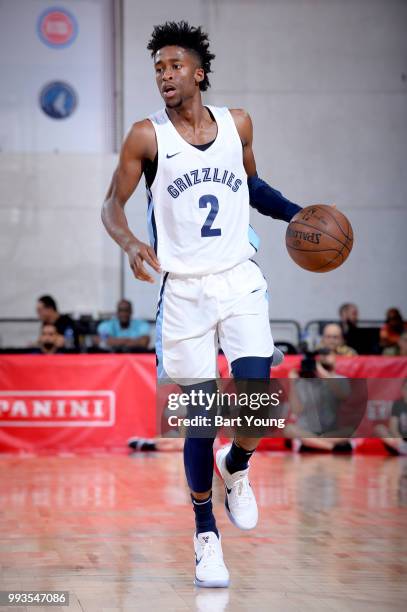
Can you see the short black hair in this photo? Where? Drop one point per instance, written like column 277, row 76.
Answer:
column 191, row 38
column 48, row 302
column 124, row 301
column 344, row 307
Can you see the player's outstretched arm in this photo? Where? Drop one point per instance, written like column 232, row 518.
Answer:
column 265, row 199
column 139, row 145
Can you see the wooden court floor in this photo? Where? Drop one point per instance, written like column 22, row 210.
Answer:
column 116, row 532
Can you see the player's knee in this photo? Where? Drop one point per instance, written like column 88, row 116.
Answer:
column 201, row 408
column 246, row 368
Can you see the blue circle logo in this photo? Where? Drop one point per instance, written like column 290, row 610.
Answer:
column 58, row 100
column 57, row 27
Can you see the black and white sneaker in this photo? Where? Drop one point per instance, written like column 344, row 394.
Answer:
column 210, row 571
column 141, row 445
column 240, row 501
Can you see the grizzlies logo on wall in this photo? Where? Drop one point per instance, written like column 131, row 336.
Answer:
column 58, row 100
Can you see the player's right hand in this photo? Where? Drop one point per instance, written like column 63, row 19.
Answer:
column 139, row 253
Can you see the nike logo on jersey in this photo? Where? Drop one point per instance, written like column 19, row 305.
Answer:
column 173, row 155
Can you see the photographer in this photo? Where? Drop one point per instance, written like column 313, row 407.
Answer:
column 316, row 394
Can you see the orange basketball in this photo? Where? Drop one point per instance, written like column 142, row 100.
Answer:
column 319, row 238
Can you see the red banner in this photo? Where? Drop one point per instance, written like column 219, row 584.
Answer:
column 74, row 403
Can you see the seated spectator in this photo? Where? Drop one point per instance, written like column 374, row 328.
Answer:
column 392, row 329
column 47, row 312
column 395, row 435
column 399, row 349
column 332, row 339
column 364, row 340
column 348, row 314
column 49, row 341
column 122, row 332
column 315, row 403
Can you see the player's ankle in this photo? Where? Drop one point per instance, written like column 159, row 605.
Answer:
column 204, row 517
column 237, row 458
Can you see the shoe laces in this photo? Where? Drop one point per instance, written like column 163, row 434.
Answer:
column 241, row 488
column 209, row 554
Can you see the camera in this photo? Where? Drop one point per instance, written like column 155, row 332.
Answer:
column 308, row 366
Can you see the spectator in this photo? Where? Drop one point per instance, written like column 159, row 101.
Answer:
column 349, row 315
column 332, row 339
column 49, row 341
column 122, row 332
column 392, row 329
column 400, row 349
column 395, row 436
column 47, row 312
column 315, row 403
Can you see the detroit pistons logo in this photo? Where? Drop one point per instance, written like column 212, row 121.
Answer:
column 57, row 28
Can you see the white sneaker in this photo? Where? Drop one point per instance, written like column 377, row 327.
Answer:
column 240, row 501
column 210, row 570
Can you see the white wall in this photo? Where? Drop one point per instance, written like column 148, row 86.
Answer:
column 52, row 239
column 54, row 173
column 323, row 82
column 26, row 67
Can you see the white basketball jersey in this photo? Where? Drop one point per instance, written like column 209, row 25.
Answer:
column 198, row 204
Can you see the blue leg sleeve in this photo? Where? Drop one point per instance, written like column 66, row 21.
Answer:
column 247, row 368
column 198, row 462
column 198, row 448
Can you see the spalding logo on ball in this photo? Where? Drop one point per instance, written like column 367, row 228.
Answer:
column 319, row 238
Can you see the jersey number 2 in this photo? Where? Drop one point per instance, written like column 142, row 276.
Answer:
column 206, row 229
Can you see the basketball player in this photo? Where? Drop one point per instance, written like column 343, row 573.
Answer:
column 201, row 177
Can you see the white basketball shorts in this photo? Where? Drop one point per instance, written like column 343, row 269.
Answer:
column 195, row 313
